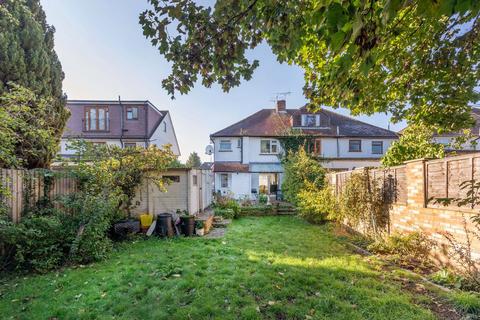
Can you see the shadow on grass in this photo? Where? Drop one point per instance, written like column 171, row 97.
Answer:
column 265, row 268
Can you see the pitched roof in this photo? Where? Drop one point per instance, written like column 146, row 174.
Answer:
column 270, row 123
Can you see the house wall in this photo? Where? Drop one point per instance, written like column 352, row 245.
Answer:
column 64, row 150
column 160, row 137
column 233, row 155
column 238, row 183
column 255, row 154
column 331, row 150
column 448, row 140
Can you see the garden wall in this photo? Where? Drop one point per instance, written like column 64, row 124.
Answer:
column 413, row 187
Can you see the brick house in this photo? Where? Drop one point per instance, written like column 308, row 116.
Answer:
column 121, row 123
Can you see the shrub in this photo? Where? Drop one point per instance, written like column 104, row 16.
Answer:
column 260, row 210
column 410, row 250
column 317, row 206
column 225, row 202
column 362, row 205
column 262, row 198
column 301, row 172
column 226, row 213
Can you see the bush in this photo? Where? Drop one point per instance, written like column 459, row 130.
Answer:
column 410, row 250
column 226, row 213
column 317, row 206
column 301, row 172
column 260, row 210
column 224, row 202
column 262, row 198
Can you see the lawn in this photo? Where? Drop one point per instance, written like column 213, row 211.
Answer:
column 265, row 268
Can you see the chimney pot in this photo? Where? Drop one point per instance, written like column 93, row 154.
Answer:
column 281, row 106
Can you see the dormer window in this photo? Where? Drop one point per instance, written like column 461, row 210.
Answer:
column 132, row 113
column 310, row 120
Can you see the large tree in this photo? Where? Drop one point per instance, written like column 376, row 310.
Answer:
column 418, row 60
column 28, row 59
column 194, row 160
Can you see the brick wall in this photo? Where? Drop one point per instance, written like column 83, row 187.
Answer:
column 417, row 214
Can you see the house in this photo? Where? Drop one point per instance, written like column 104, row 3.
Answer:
column 247, row 154
column 121, row 123
column 471, row 145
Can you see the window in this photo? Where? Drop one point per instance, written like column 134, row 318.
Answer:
column 164, row 127
column 355, row 145
column 377, row 147
column 239, row 143
column 315, row 147
column 268, row 146
column 309, row 120
column 96, row 119
column 224, row 180
column 132, row 113
column 129, row 144
column 172, row 178
column 225, row 145
column 194, row 179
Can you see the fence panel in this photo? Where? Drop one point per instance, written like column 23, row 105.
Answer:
column 26, row 188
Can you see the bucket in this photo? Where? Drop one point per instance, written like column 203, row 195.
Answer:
column 146, row 221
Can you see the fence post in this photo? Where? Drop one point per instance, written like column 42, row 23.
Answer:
column 416, row 188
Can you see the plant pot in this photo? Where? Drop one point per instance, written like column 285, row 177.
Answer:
column 200, row 232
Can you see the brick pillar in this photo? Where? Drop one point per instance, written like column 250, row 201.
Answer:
column 415, row 172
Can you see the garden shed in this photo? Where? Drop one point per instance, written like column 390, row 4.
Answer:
column 189, row 189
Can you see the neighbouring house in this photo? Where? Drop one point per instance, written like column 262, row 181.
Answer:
column 471, row 145
column 247, row 154
column 121, row 123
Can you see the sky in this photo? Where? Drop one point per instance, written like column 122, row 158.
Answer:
column 105, row 55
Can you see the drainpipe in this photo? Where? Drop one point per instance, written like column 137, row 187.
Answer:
column 121, row 121
column 146, row 124
column 338, row 143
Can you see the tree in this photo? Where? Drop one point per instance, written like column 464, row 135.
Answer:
column 28, row 59
column 415, row 59
column 194, row 160
column 416, row 142
column 25, row 138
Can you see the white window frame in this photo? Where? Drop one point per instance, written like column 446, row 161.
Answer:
column 222, row 176
column 381, row 146
column 132, row 113
column 315, row 123
column 225, row 142
column 350, row 145
column 273, row 146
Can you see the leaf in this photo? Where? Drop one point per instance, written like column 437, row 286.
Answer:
column 337, row 40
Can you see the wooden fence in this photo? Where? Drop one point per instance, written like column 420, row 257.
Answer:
column 27, row 187
column 392, row 180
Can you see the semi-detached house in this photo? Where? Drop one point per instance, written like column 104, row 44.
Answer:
column 122, row 123
column 247, row 154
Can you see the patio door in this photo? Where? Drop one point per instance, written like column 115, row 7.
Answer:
column 268, row 183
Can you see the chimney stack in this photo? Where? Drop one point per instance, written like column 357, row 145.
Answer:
column 281, row 106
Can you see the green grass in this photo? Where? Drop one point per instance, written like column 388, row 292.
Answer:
column 265, row 268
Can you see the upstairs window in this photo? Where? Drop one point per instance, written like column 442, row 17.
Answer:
column 268, row 146
column 315, row 147
column 96, row 119
column 377, row 147
column 355, row 145
column 310, row 120
column 164, row 127
column 225, row 145
column 132, row 113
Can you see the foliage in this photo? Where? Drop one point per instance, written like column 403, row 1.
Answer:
column 293, row 140
column 30, row 86
column 317, row 205
column 417, row 60
column 411, row 250
column 27, row 136
column 108, row 167
column 262, row 198
column 363, row 205
column 176, row 164
column 263, row 263
column 414, row 143
column 193, row 160
column 301, row 172
column 257, row 210
column 225, row 213
column 223, row 205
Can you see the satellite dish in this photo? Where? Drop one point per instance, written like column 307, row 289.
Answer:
column 209, row 150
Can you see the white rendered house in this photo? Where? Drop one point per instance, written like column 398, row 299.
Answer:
column 247, row 154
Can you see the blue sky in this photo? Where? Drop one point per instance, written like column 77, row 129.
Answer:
column 104, row 54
